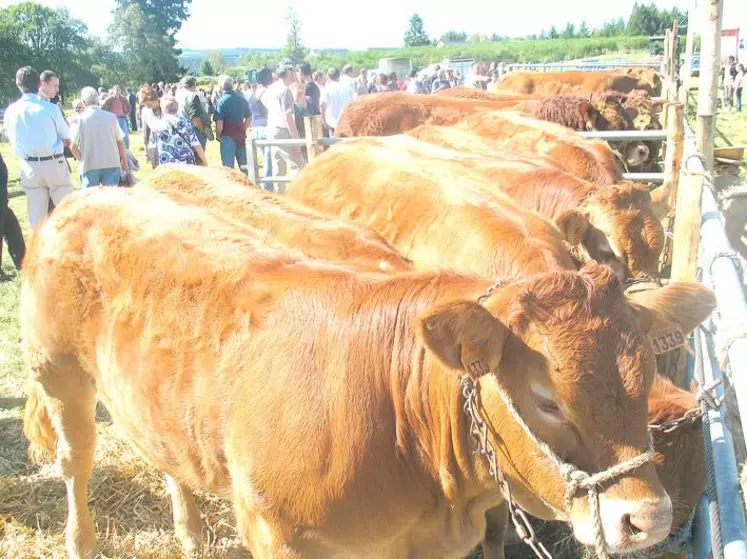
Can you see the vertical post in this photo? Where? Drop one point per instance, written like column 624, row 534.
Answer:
column 667, row 62
column 675, row 146
column 687, row 226
column 673, row 59
column 312, row 137
column 252, row 168
column 692, row 17
column 710, row 65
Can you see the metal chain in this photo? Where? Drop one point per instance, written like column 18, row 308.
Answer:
column 690, row 416
column 479, row 431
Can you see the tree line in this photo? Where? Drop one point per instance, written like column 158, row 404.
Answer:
column 644, row 20
column 139, row 47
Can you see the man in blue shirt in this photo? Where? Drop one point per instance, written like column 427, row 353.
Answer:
column 231, row 118
column 39, row 134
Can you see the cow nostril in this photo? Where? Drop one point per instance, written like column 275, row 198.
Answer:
column 629, row 526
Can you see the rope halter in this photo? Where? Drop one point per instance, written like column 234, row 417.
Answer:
column 575, row 478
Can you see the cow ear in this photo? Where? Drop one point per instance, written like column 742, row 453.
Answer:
column 679, row 305
column 573, row 226
column 464, row 336
column 588, row 114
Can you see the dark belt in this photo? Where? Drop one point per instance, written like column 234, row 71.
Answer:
column 47, row 158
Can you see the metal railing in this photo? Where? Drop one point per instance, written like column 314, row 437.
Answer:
column 724, row 338
column 586, row 66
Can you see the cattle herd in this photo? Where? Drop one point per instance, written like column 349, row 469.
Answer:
column 322, row 359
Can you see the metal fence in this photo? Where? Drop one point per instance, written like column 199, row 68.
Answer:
column 719, row 525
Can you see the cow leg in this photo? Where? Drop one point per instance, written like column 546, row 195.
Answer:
column 187, row 521
column 496, row 522
column 71, row 405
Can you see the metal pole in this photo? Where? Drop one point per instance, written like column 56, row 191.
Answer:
column 710, row 65
column 731, row 544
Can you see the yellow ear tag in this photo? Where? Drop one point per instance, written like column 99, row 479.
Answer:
column 667, row 340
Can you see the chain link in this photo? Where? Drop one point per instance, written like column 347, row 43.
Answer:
column 479, row 431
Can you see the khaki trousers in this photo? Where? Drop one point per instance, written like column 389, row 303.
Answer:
column 42, row 180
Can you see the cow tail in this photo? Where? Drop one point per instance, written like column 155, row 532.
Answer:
column 37, row 425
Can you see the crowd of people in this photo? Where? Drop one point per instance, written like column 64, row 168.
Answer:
column 733, row 83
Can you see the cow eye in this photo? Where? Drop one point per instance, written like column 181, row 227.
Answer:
column 549, row 407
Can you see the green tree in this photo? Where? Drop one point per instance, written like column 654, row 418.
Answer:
column 294, row 48
column 583, row 30
column 478, row 38
column 415, row 35
column 168, row 15
column 553, row 33
column 453, row 36
column 147, row 53
column 35, row 35
column 206, row 68
column 217, row 61
column 569, row 32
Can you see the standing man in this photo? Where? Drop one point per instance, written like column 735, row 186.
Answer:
column 281, row 123
column 39, row 134
column 98, row 143
column 132, row 99
column 311, row 90
column 231, row 119
column 119, row 105
column 49, row 86
column 336, row 95
column 195, row 112
column 348, row 80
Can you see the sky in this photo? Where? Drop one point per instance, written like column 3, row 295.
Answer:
column 359, row 24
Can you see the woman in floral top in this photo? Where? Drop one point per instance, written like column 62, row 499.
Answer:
column 172, row 136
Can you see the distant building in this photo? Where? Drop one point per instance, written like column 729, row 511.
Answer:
column 191, row 59
column 730, row 43
column 451, row 43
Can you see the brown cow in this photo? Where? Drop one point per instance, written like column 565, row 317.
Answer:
column 648, row 75
column 397, row 112
column 592, row 160
column 613, row 225
column 679, row 459
column 293, row 225
column 592, row 112
column 327, row 404
column 560, row 83
column 431, row 210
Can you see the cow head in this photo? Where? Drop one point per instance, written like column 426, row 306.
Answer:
column 611, row 114
column 573, row 355
column 624, row 216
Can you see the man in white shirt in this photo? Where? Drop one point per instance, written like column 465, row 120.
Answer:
column 334, row 98
column 348, row 80
column 98, row 143
column 281, row 123
column 39, row 134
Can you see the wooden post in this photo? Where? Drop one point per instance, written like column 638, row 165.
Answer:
column 667, row 62
column 673, row 60
column 692, row 17
column 710, row 66
column 251, row 160
column 672, row 163
column 313, row 127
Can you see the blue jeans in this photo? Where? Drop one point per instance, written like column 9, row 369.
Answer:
column 260, row 133
column 102, row 177
column 230, row 149
column 125, row 130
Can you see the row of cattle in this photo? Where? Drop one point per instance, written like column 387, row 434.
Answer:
column 581, row 101
column 304, row 356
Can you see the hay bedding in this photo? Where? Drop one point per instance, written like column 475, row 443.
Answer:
column 128, row 500
column 131, row 507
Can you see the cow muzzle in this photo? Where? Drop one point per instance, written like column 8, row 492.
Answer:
column 627, row 524
column 636, row 154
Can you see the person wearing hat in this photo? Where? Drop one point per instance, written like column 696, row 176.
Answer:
column 232, row 116
column 281, row 123
column 194, row 111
